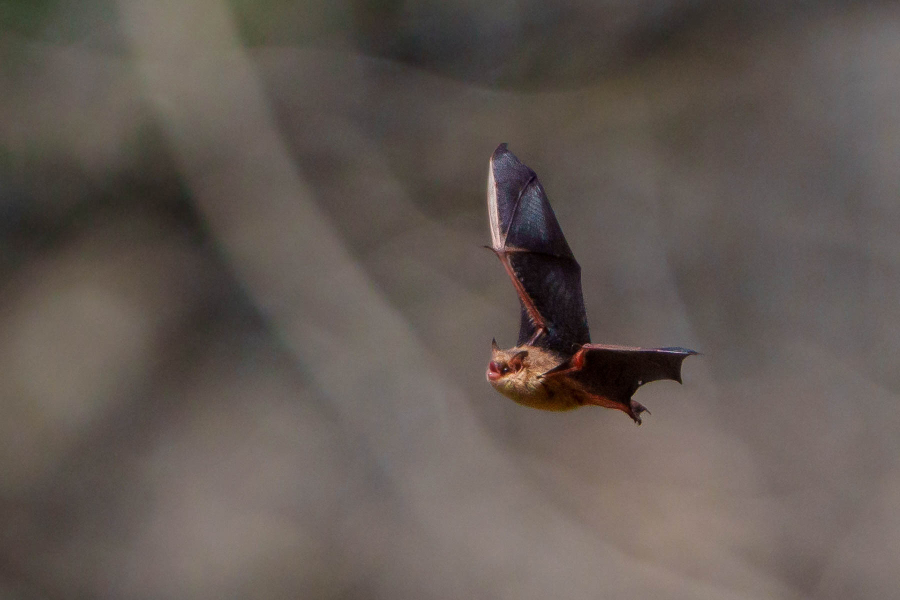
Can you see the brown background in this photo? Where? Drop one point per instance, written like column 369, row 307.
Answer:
column 245, row 312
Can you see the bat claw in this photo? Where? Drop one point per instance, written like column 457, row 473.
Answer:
column 635, row 411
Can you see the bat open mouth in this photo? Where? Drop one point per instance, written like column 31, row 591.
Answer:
column 493, row 371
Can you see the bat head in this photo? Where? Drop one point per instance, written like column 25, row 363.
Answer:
column 506, row 366
column 518, row 374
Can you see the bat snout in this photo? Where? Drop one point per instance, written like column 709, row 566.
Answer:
column 493, row 371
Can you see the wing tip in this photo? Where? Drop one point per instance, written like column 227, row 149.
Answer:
column 502, row 154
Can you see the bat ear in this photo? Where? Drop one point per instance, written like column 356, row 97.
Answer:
column 515, row 363
column 494, row 345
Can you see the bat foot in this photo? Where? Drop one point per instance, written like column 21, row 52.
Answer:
column 635, row 410
column 632, row 408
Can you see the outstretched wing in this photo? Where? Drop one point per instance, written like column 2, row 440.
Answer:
column 529, row 242
column 612, row 374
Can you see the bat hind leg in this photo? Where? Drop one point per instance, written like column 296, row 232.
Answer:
column 629, row 406
column 635, row 410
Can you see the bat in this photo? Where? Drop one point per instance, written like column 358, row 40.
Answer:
column 554, row 365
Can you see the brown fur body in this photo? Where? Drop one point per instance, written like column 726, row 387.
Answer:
column 527, row 386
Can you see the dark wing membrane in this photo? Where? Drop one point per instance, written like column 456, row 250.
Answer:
column 616, row 372
column 548, row 282
column 520, row 212
column 527, row 238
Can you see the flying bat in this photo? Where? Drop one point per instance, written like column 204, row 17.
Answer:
column 554, row 365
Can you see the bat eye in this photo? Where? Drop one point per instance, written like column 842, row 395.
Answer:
column 504, row 370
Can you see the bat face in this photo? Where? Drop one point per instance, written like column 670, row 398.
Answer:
column 554, row 366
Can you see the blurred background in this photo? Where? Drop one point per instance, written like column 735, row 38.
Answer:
column 245, row 310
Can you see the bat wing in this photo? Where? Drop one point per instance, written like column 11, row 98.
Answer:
column 611, row 374
column 527, row 238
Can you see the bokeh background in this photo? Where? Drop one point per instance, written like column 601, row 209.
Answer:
column 245, row 310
